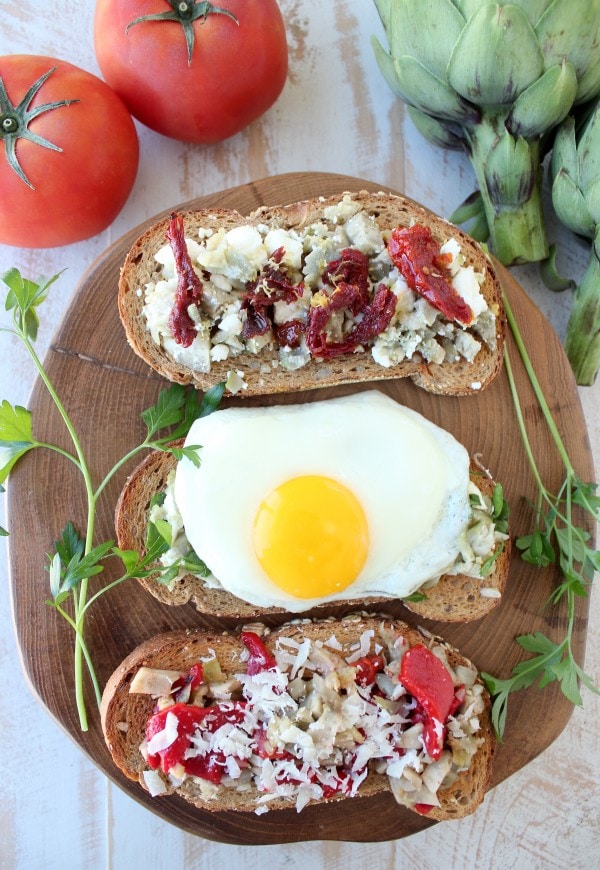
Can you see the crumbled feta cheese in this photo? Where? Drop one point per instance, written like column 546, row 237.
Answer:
column 235, row 381
column 291, row 244
column 467, row 284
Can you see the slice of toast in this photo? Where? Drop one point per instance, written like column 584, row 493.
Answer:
column 262, row 373
column 124, row 714
column 455, row 598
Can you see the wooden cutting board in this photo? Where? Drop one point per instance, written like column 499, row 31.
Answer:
column 104, row 387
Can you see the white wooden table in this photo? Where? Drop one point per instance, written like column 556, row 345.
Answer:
column 335, row 114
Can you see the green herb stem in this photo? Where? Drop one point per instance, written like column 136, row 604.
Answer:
column 60, row 451
column 87, row 656
column 536, row 385
column 118, row 466
column 78, row 599
column 521, row 421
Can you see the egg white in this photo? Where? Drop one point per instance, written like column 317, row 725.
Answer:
column 410, row 476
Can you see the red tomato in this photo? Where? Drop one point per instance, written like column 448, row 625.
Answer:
column 74, row 192
column 236, row 70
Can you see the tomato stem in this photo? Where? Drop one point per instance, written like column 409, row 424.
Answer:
column 185, row 13
column 14, row 122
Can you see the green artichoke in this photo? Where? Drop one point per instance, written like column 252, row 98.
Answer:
column 575, row 172
column 494, row 78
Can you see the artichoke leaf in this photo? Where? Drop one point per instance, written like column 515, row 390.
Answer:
column 588, row 150
column 588, row 87
column 570, row 205
column 435, row 131
column 510, row 172
column 582, row 340
column 496, row 57
column 564, row 151
column 468, row 7
column 384, row 8
column 426, row 31
column 592, row 199
column 570, row 29
column 385, row 63
column 470, row 208
column 427, row 92
column 551, row 276
column 596, row 244
column 533, row 9
column 545, row 103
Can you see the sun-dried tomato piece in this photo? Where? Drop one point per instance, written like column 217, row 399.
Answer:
column 272, row 285
column 417, row 255
column 289, row 334
column 376, row 317
column 189, row 286
column 352, row 267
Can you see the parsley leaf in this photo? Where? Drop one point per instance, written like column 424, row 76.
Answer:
column 167, row 411
column 16, row 436
column 190, row 452
column 415, row 597
column 69, row 565
column 23, row 298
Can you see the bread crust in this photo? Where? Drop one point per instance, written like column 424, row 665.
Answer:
column 124, row 715
column 454, row 598
column 261, row 378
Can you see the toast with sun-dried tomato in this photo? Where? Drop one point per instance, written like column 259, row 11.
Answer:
column 307, row 313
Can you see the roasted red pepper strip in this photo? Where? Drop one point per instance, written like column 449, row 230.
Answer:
column 189, row 287
column 367, row 668
column 430, row 683
column 192, row 679
column 417, row 256
column 260, row 658
column 189, row 719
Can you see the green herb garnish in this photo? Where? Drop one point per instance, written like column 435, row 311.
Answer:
column 76, row 557
column 556, row 539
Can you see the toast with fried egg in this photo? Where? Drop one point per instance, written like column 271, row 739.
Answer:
column 457, row 597
column 273, row 302
column 310, row 712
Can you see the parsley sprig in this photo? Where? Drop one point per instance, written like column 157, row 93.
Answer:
column 76, row 558
column 556, row 539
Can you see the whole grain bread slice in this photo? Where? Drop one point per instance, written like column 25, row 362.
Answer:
column 262, row 373
column 455, row 598
column 124, row 715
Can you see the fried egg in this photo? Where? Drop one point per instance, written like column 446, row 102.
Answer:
column 297, row 505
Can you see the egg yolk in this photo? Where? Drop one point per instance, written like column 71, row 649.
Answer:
column 311, row 536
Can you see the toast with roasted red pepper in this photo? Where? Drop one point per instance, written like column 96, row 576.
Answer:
column 356, row 287
column 260, row 721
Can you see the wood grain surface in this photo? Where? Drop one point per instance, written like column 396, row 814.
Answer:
column 105, row 387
